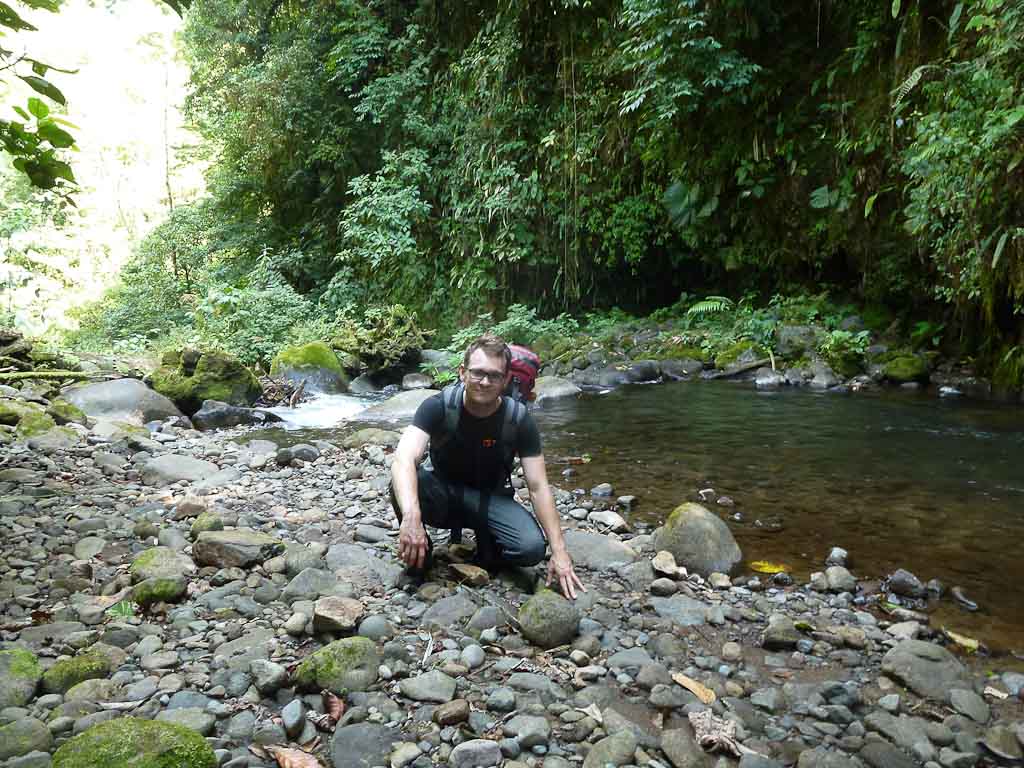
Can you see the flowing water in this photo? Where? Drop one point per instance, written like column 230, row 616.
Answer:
column 933, row 486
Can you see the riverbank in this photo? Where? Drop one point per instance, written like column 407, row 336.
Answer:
column 106, row 561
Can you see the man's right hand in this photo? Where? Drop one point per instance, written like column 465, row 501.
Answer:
column 412, row 543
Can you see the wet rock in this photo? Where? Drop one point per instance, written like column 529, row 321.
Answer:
column 766, row 378
column 68, row 673
column 475, row 752
column 218, row 415
column 20, row 674
column 906, row 584
column 548, row 619
column 345, row 665
column 927, row 669
column 698, row 540
column 235, row 548
column 554, row 388
column 159, row 590
column 127, row 400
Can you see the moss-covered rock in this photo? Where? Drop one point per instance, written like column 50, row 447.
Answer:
column 548, row 619
column 188, row 377
column 132, row 743
column 207, row 521
column 904, row 368
column 66, row 674
column 63, row 412
column 20, row 673
column 29, row 419
column 699, row 540
column 160, row 563
column 159, row 590
column 733, row 352
column 345, row 665
column 23, row 736
column 315, row 363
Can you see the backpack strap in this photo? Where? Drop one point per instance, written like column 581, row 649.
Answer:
column 515, row 411
column 451, row 398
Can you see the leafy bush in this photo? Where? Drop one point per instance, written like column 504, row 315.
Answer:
column 380, row 338
column 844, row 350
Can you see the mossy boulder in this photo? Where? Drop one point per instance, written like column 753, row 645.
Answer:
column 20, row 673
column 28, row 419
column 207, row 521
column 699, row 540
column 678, row 352
column 23, row 736
column 739, row 352
column 906, row 368
column 128, row 742
column 160, row 563
column 66, row 674
column 315, row 363
column 349, row 664
column 547, row 619
column 63, row 412
column 159, row 590
column 188, row 377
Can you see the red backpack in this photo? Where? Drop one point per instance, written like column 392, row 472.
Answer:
column 524, row 367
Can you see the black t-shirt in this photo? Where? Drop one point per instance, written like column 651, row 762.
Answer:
column 473, row 456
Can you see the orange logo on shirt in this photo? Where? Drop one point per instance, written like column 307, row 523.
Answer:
column 487, row 443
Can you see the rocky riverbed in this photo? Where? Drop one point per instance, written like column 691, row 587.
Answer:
column 202, row 599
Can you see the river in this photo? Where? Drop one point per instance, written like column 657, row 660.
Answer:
column 897, row 479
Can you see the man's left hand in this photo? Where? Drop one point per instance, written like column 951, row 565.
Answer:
column 560, row 568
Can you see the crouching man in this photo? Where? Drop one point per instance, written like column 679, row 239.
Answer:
column 474, row 431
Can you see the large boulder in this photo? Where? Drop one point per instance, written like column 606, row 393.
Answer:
column 401, row 406
column 597, row 551
column 236, row 548
column 927, row 669
column 189, row 376
column 20, row 673
column 554, row 388
column 216, row 414
column 127, row 400
column 795, row 341
column 315, row 363
column 906, row 368
column 345, row 665
column 24, row 736
column 29, row 419
column 698, row 540
column 548, row 619
column 129, row 742
column 160, row 563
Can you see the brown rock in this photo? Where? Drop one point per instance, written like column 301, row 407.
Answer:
column 456, row 711
column 472, row 575
column 337, row 614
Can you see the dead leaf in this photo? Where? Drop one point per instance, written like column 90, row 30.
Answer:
column 996, row 693
column 334, row 706
column 593, row 712
column 292, row 758
column 969, row 644
column 701, row 691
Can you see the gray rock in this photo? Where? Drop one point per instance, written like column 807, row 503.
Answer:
column 1005, row 742
column 750, row 760
column 309, row 584
column 20, row 673
column 903, row 731
column 337, row 614
column 267, row 676
column 501, row 700
column 127, row 400
column 554, row 388
column 880, row 754
column 400, row 406
column 189, row 717
column 839, row 579
column 474, row 753
column 1014, row 681
column 161, row 563
column 452, row 611
column 781, row 633
column 681, row 609
column 698, row 540
column 345, row 665
column 548, row 619
column 531, row 730
column 365, row 745
column 824, row 758
column 681, row 748
column 235, row 548
column 970, row 704
column 293, row 718
column 23, row 736
column 172, row 468
column 793, row 341
column 927, row 669
column 822, row 376
column 906, row 584
column 596, row 551
column 434, row 686
column 766, row 378
column 359, row 566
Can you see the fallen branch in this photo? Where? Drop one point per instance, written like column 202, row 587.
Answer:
column 727, row 373
column 50, row 375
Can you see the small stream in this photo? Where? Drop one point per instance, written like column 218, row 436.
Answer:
column 898, row 480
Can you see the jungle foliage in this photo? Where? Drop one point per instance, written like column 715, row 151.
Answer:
column 576, row 154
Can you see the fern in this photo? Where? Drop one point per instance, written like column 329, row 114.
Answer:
column 910, row 84
column 710, row 306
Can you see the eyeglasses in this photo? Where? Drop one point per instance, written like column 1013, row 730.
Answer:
column 480, row 376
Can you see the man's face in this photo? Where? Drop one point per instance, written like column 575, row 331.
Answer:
column 484, row 377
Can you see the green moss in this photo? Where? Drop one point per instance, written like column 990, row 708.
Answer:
column 207, row 521
column 158, row 590
column 34, row 423
column 132, row 743
column 316, row 354
column 732, row 352
column 906, row 368
column 188, row 377
column 333, row 665
column 68, row 673
column 548, row 619
column 22, row 663
column 64, row 412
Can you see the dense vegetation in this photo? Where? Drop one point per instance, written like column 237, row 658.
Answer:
column 575, row 154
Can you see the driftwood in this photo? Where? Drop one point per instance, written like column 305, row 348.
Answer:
column 296, row 397
column 49, row 375
column 729, row 372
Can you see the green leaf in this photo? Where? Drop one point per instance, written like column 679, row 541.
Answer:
column 821, row 198
column 39, row 68
column 1014, row 117
column 45, row 87
column 22, row 113
column 895, row 8
column 38, row 108
column 11, row 20
column 954, row 19
column 869, row 205
column 999, row 249
column 58, row 137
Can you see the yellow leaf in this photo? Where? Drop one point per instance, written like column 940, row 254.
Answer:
column 701, row 691
column 969, row 644
column 763, row 566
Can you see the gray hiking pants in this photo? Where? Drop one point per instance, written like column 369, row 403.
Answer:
column 506, row 532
